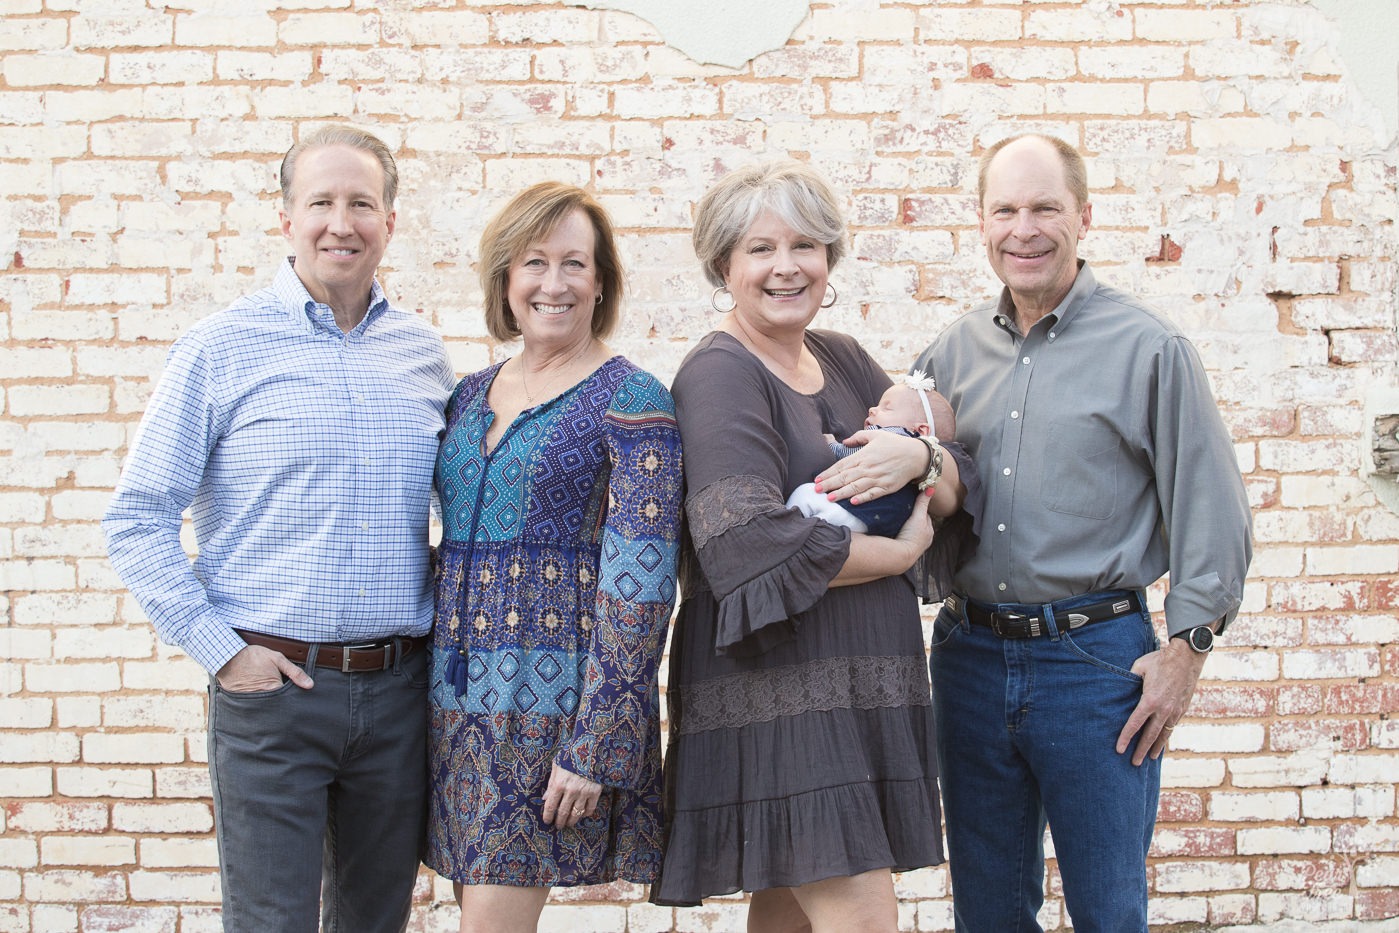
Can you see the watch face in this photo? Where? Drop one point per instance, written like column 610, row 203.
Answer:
column 1201, row 638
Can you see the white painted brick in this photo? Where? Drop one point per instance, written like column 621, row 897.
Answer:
column 1283, row 840
column 179, row 853
column 991, row 24
column 1365, row 802
column 1089, row 24
column 182, row 782
column 58, row 918
column 1179, row 771
column 1228, row 58
column 105, row 782
column 329, row 29
column 1121, row 99
column 162, row 817
column 1317, row 907
column 1298, row 769
column 1162, row 911
column 26, row 747
column 262, row 66
column 1230, row 807
column 133, row 748
column 82, row 887
column 42, row 817
column 33, row 35
column 467, row 66
column 203, row 28
column 1167, row 25
column 77, row 712
column 104, row 643
column 160, row 67
column 558, row 918
column 1217, row 739
column 157, row 711
column 21, row 645
column 1178, row 877
column 1359, row 559
column 86, row 851
column 1240, row 133
column 1026, row 64
column 443, row 27
column 64, row 609
column 26, row 712
column 1327, row 664
column 1121, row 62
column 104, row 917
column 135, row 29
column 179, row 673
column 1377, row 872
column 1364, row 768
column 18, row 853
column 45, row 69
column 175, row 887
column 68, row 677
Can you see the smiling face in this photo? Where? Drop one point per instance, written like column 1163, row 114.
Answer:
column 777, row 276
column 1031, row 224
column 552, row 286
column 338, row 225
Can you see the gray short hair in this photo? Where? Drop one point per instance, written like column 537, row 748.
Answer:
column 340, row 135
column 793, row 191
column 1075, row 171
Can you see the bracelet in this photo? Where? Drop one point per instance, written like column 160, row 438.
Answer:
column 934, row 472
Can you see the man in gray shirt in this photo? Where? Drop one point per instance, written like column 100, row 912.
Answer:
column 1105, row 464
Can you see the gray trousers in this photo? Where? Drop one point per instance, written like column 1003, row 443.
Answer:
column 320, row 800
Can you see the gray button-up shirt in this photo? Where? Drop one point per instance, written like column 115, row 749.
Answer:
column 1103, row 455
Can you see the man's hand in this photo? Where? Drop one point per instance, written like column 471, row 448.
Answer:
column 569, row 797
column 1168, row 678
column 258, row 668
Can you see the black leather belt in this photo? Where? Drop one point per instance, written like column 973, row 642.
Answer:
column 372, row 656
column 1026, row 620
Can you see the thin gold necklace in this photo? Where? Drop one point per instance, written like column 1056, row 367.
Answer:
column 567, row 365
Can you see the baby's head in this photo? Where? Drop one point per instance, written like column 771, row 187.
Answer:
column 900, row 406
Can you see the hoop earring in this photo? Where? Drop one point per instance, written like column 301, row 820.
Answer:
column 834, row 295
column 598, row 299
column 714, row 300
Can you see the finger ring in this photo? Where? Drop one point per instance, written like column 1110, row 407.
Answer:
column 577, row 811
column 1169, row 728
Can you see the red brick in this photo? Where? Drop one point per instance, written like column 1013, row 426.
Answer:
column 1200, row 841
column 1301, row 874
column 1377, row 904
column 1359, row 699
column 1339, row 734
column 1179, row 807
column 1303, row 698
column 1232, row 702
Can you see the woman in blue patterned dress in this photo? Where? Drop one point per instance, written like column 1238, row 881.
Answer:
column 560, row 481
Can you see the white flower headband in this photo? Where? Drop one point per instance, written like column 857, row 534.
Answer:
column 922, row 383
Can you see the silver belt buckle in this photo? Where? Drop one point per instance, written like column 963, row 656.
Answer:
column 345, row 655
column 1076, row 619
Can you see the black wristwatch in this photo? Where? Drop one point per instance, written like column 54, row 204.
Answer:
column 1200, row 638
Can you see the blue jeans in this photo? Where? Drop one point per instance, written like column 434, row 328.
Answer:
column 1027, row 731
column 320, row 800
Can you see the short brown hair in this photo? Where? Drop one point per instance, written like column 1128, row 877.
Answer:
column 1075, row 171
column 338, row 135
column 530, row 217
column 794, row 191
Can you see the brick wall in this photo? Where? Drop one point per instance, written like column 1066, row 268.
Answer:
column 1238, row 178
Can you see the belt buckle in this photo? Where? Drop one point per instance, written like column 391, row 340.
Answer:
column 1016, row 625
column 345, row 655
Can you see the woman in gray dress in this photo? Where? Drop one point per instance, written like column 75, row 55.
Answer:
column 801, row 754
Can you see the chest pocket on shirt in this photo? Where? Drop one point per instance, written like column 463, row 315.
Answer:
column 1080, row 475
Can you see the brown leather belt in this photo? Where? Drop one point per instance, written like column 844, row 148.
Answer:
column 371, row 656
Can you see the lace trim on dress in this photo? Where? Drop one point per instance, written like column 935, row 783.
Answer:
column 737, row 700
column 728, row 503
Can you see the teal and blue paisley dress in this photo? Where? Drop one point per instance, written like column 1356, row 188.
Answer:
column 555, row 582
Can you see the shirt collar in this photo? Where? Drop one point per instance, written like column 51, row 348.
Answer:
column 300, row 305
column 1085, row 284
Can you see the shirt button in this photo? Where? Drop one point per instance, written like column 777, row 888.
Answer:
column 361, row 591
column 1051, row 335
column 1001, row 587
column 364, row 526
column 1006, row 471
column 1001, row 527
column 1025, row 360
column 1014, row 415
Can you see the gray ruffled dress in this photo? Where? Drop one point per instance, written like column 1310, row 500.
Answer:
column 801, row 743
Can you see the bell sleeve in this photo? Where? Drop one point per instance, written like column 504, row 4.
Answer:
column 616, row 737
column 766, row 564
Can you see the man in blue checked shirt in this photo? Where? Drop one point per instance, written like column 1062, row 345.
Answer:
column 300, row 427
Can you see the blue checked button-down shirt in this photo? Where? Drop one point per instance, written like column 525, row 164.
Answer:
column 305, row 455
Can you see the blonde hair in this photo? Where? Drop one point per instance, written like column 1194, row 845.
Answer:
column 530, row 217
column 793, row 191
column 339, row 135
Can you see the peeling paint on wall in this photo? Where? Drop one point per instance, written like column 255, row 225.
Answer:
column 1367, row 32
column 724, row 32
